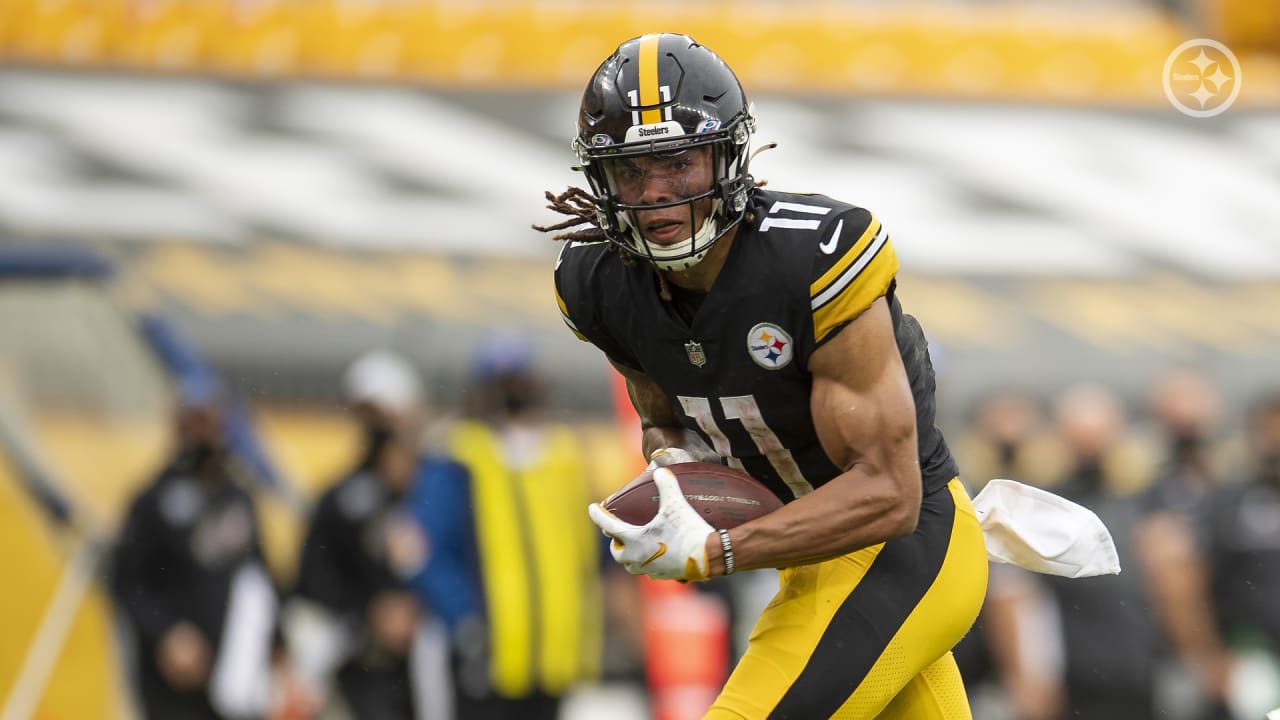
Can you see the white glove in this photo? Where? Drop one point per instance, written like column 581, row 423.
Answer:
column 671, row 546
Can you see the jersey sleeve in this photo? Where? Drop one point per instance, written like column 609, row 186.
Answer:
column 568, row 282
column 573, row 296
column 564, row 313
column 855, row 264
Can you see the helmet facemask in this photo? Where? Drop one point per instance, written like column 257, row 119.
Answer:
column 618, row 173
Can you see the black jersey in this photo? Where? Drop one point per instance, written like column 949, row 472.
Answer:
column 736, row 372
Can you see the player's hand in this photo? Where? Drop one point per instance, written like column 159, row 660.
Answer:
column 393, row 620
column 671, row 546
column 184, row 657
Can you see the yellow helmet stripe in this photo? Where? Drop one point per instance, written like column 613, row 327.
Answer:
column 649, row 95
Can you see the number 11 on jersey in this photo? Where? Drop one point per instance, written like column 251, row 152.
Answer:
column 746, row 410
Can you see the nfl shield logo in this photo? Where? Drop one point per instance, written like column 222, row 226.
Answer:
column 695, row 353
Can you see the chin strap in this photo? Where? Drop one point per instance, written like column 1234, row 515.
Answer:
column 703, row 235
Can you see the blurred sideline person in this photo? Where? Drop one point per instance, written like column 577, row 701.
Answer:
column 513, row 565
column 1241, row 544
column 189, row 576
column 1012, row 656
column 1109, row 637
column 1187, row 409
column 764, row 329
column 352, row 621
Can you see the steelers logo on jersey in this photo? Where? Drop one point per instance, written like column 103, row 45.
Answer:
column 770, row 346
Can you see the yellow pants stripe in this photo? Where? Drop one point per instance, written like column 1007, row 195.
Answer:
column 868, row 634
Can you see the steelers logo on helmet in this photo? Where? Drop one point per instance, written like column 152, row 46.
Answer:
column 770, row 346
column 671, row 180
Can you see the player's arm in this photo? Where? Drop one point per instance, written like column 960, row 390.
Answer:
column 658, row 419
column 672, row 546
column 865, row 419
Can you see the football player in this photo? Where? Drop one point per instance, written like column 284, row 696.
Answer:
column 763, row 330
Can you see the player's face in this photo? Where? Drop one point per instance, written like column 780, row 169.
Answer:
column 665, row 178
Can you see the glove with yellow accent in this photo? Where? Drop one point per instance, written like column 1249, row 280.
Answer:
column 671, row 546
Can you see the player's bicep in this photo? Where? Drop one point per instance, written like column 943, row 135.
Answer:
column 862, row 406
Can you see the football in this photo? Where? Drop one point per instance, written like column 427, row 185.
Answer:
column 723, row 496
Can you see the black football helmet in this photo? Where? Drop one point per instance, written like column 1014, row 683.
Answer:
column 664, row 95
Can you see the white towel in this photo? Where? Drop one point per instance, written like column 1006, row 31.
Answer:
column 240, row 685
column 1039, row 531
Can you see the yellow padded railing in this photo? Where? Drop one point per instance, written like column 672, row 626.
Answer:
column 83, row 682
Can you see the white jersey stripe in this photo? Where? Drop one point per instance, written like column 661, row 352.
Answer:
column 789, row 223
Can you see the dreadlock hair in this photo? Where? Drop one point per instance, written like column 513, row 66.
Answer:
column 580, row 206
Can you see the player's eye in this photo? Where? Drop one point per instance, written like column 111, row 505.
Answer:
column 674, row 161
column 627, row 171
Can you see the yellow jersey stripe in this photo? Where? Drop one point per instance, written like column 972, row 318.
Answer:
column 564, row 315
column 872, row 281
column 564, row 309
column 649, row 95
column 830, row 276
